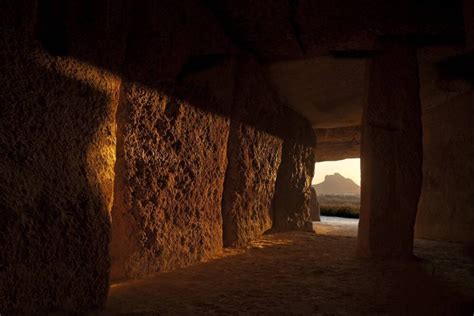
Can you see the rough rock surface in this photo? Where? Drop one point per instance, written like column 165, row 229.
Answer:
column 391, row 154
column 292, row 189
column 254, row 153
column 337, row 143
column 279, row 30
column 262, row 28
column 172, row 140
column 445, row 208
column 314, row 206
column 327, row 91
column 168, row 209
column 57, row 149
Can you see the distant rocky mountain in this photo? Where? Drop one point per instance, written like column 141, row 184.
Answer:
column 337, row 184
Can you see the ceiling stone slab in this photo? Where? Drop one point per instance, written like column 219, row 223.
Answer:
column 337, row 143
column 329, row 92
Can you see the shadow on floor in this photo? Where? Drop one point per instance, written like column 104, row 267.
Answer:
column 305, row 273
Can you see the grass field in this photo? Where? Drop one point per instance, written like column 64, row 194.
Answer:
column 340, row 211
column 340, row 205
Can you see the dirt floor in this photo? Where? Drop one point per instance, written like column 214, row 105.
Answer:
column 306, row 273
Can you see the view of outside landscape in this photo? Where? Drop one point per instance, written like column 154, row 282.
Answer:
column 337, row 184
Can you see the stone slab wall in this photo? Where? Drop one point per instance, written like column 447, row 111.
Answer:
column 254, row 154
column 173, row 126
column 167, row 211
column 57, row 149
column 391, row 154
column 337, row 143
column 445, row 206
column 445, row 210
column 291, row 202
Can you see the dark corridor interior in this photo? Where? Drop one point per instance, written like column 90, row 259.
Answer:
column 156, row 157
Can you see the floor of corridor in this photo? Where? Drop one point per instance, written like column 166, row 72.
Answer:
column 306, row 273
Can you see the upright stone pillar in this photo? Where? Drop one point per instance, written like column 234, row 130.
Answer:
column 391, row 152
column 291, row 201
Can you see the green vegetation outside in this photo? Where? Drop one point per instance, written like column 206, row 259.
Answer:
column 340, row 205
column 349, row 211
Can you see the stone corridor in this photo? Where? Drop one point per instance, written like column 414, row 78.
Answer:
column 156, row 156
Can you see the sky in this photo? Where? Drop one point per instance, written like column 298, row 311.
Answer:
column 349, row 168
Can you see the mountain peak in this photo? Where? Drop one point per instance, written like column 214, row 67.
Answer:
column 335, row 175
column 337, row 184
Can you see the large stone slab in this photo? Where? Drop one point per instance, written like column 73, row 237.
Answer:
column 283, row 30
column 254, row 154
column 172, row 139
column 445, row 208
column 337, row 143
column 391, row 153
column 291, row 202
column 57, row 149
column 171, row 161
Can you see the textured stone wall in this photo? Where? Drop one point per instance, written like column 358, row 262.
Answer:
column 391, row 154
column 167, row 212
column 173, row 128
column 254, row 154
column 291, row 201
column 337, row 143
column 445, row 208
column 57, row 149
column 279, row 30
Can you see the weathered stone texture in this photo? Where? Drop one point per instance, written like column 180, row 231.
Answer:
column 314, row 206
column 281, row 30
column 172, row 139
column 57, row 149
column 391, row 154
column 254, row 154
column 171, row 39
column 292, row 189
column 337, row 143
column 446, row 202
column 169, row 195
column 172, row 156
column 445, row 208
column 263, row 28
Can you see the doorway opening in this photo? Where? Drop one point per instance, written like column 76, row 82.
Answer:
column 337, row 188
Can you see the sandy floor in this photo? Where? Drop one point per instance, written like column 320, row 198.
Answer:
column 305, row 273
